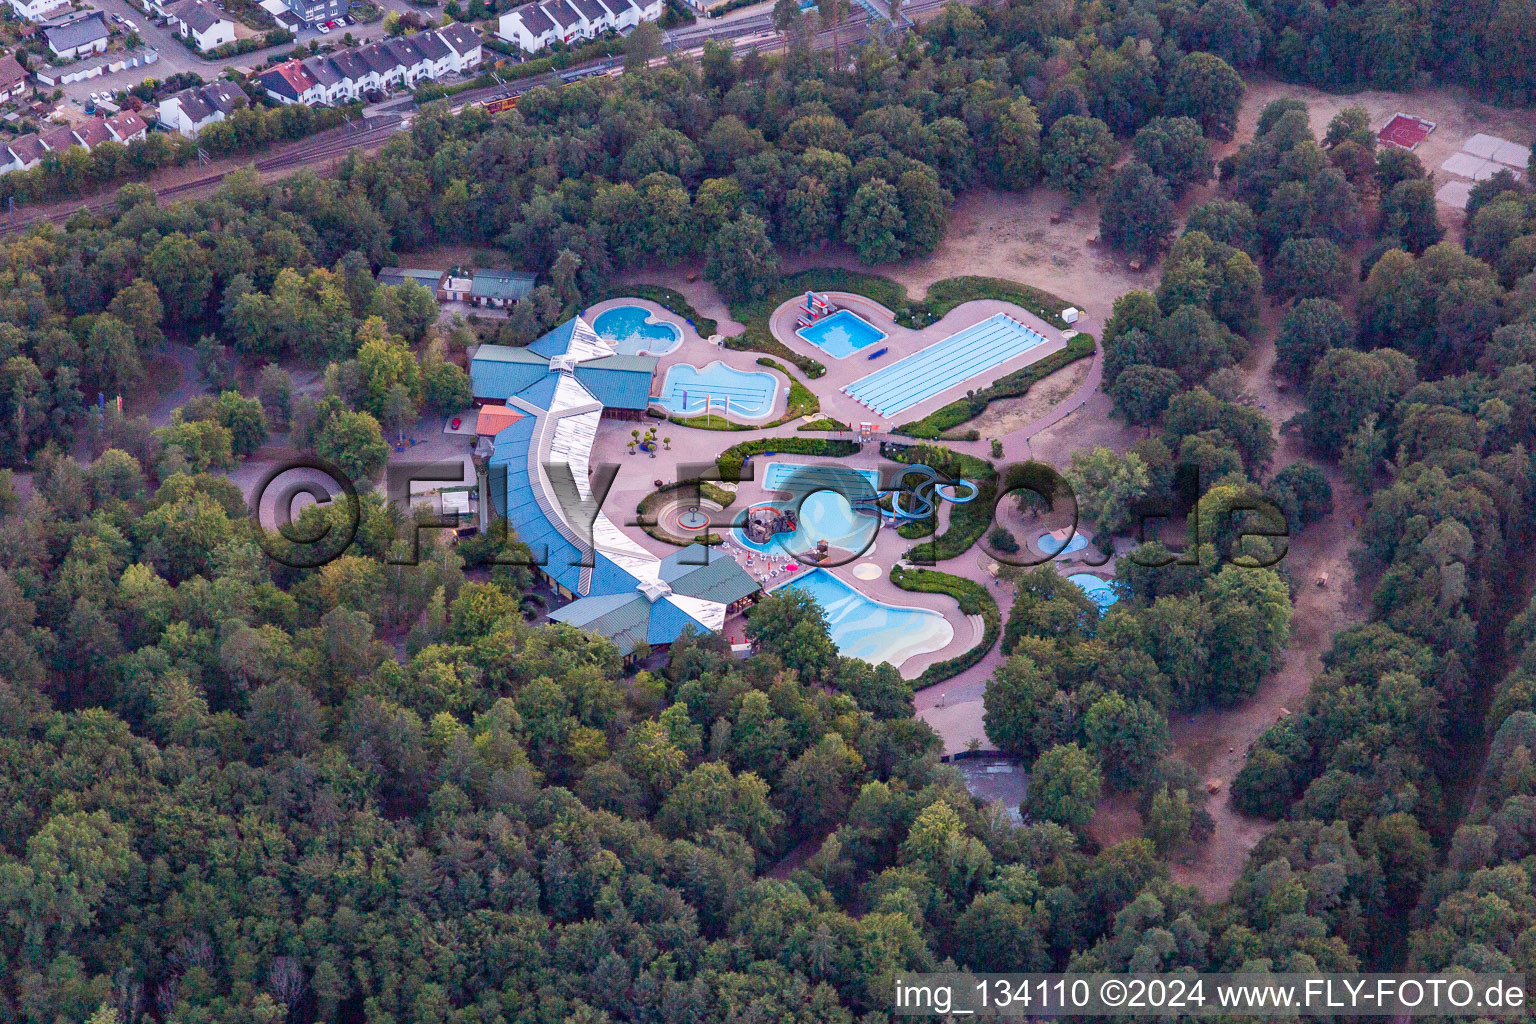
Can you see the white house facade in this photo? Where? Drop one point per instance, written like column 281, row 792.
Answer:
column 533, row 26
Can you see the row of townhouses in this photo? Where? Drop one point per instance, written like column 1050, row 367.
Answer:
column 192, row 110
column 28, row 151
column 347, row 75
column 534, row 26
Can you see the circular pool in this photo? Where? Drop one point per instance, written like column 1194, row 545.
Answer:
column 635, row 332
column 1052, row 544
column 1100, row 591
column 822, row 515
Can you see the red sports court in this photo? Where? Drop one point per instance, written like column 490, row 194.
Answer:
column 1406, row 132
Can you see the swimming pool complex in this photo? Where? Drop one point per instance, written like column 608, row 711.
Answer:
column 944, row 364
column 1051, row 544
column 743, row 394
column 634, row 333
column 869, row 630
column 1100, row 591
column 822, row 515
column 841, row 334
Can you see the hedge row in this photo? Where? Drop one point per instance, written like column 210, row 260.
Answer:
column 974, row 599
column 1012, row 386
column 945, row 295
column 731, row 460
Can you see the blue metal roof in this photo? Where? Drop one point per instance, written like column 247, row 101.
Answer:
column 668, row 622
column 552, row 552
column 541, row 392
column 616, row 388
column 556, row 342
column 608, row 577
column 497, row 379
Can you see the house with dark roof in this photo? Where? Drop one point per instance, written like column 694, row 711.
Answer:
column 27, row 151
column 500, row 288
column 59, row 139
column 93, row 133
column 13, row 79
column 465, row 43
column 313, row 12
column 79, row 37
column 333, row 84
column 201, row 23
column 535, row 25
column 192, row 110
column 538, row 479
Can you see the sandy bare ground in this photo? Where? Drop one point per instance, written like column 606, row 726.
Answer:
column 1009, row 414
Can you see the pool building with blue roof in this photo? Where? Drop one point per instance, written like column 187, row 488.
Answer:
column 539, row 468
column 622, row 384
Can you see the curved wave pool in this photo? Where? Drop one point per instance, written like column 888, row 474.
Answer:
column 634, row 331
column 1100, row 591
column 869, row 630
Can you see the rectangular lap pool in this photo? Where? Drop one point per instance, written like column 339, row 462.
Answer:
column 944, row 364
column 841, row 334
column 777, row 475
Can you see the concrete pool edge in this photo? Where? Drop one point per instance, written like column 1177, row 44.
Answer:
column 733, row 416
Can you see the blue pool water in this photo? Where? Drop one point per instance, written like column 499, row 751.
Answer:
column 842, row 334
column 1053, row 546
column 823, row 515
column 777, row 476
column 750, row 395
column 944, row 364
column 869, row 630
column 633, row 333
column 1099, row 591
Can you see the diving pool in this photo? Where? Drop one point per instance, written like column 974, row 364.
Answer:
column 777, row 476
column 634, row 333
column 841, row 334
column 1100, row 591
column 944, row 364
column 869, row 630
column 822, row 515
column 1052, row 545
column 746, row 395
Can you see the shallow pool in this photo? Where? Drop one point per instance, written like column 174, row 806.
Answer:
column 634, row 333
column 1052, row 545
column 841, row 334
column 869, row 630
column 720, row 389
column 822, row 515
column 1100, row 591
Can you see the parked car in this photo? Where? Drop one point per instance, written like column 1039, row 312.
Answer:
column 455, row 424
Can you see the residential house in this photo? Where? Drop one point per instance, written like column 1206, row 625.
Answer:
column 78, row 38
column 441, row 60
column 27, row 152
column 94, row 133
column 289, row 82
column 500, row 288
column 353, row 73
column 203, row 24
column 536, row 25
column 192, row 110
column 56, row 140
column 386, row 70
column 464, row 41
column 315, row 12
column 35, row 10
column 323, row 70
column 130, row 127
column 13, row 79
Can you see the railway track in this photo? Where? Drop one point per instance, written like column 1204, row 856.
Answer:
column 746, row 34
